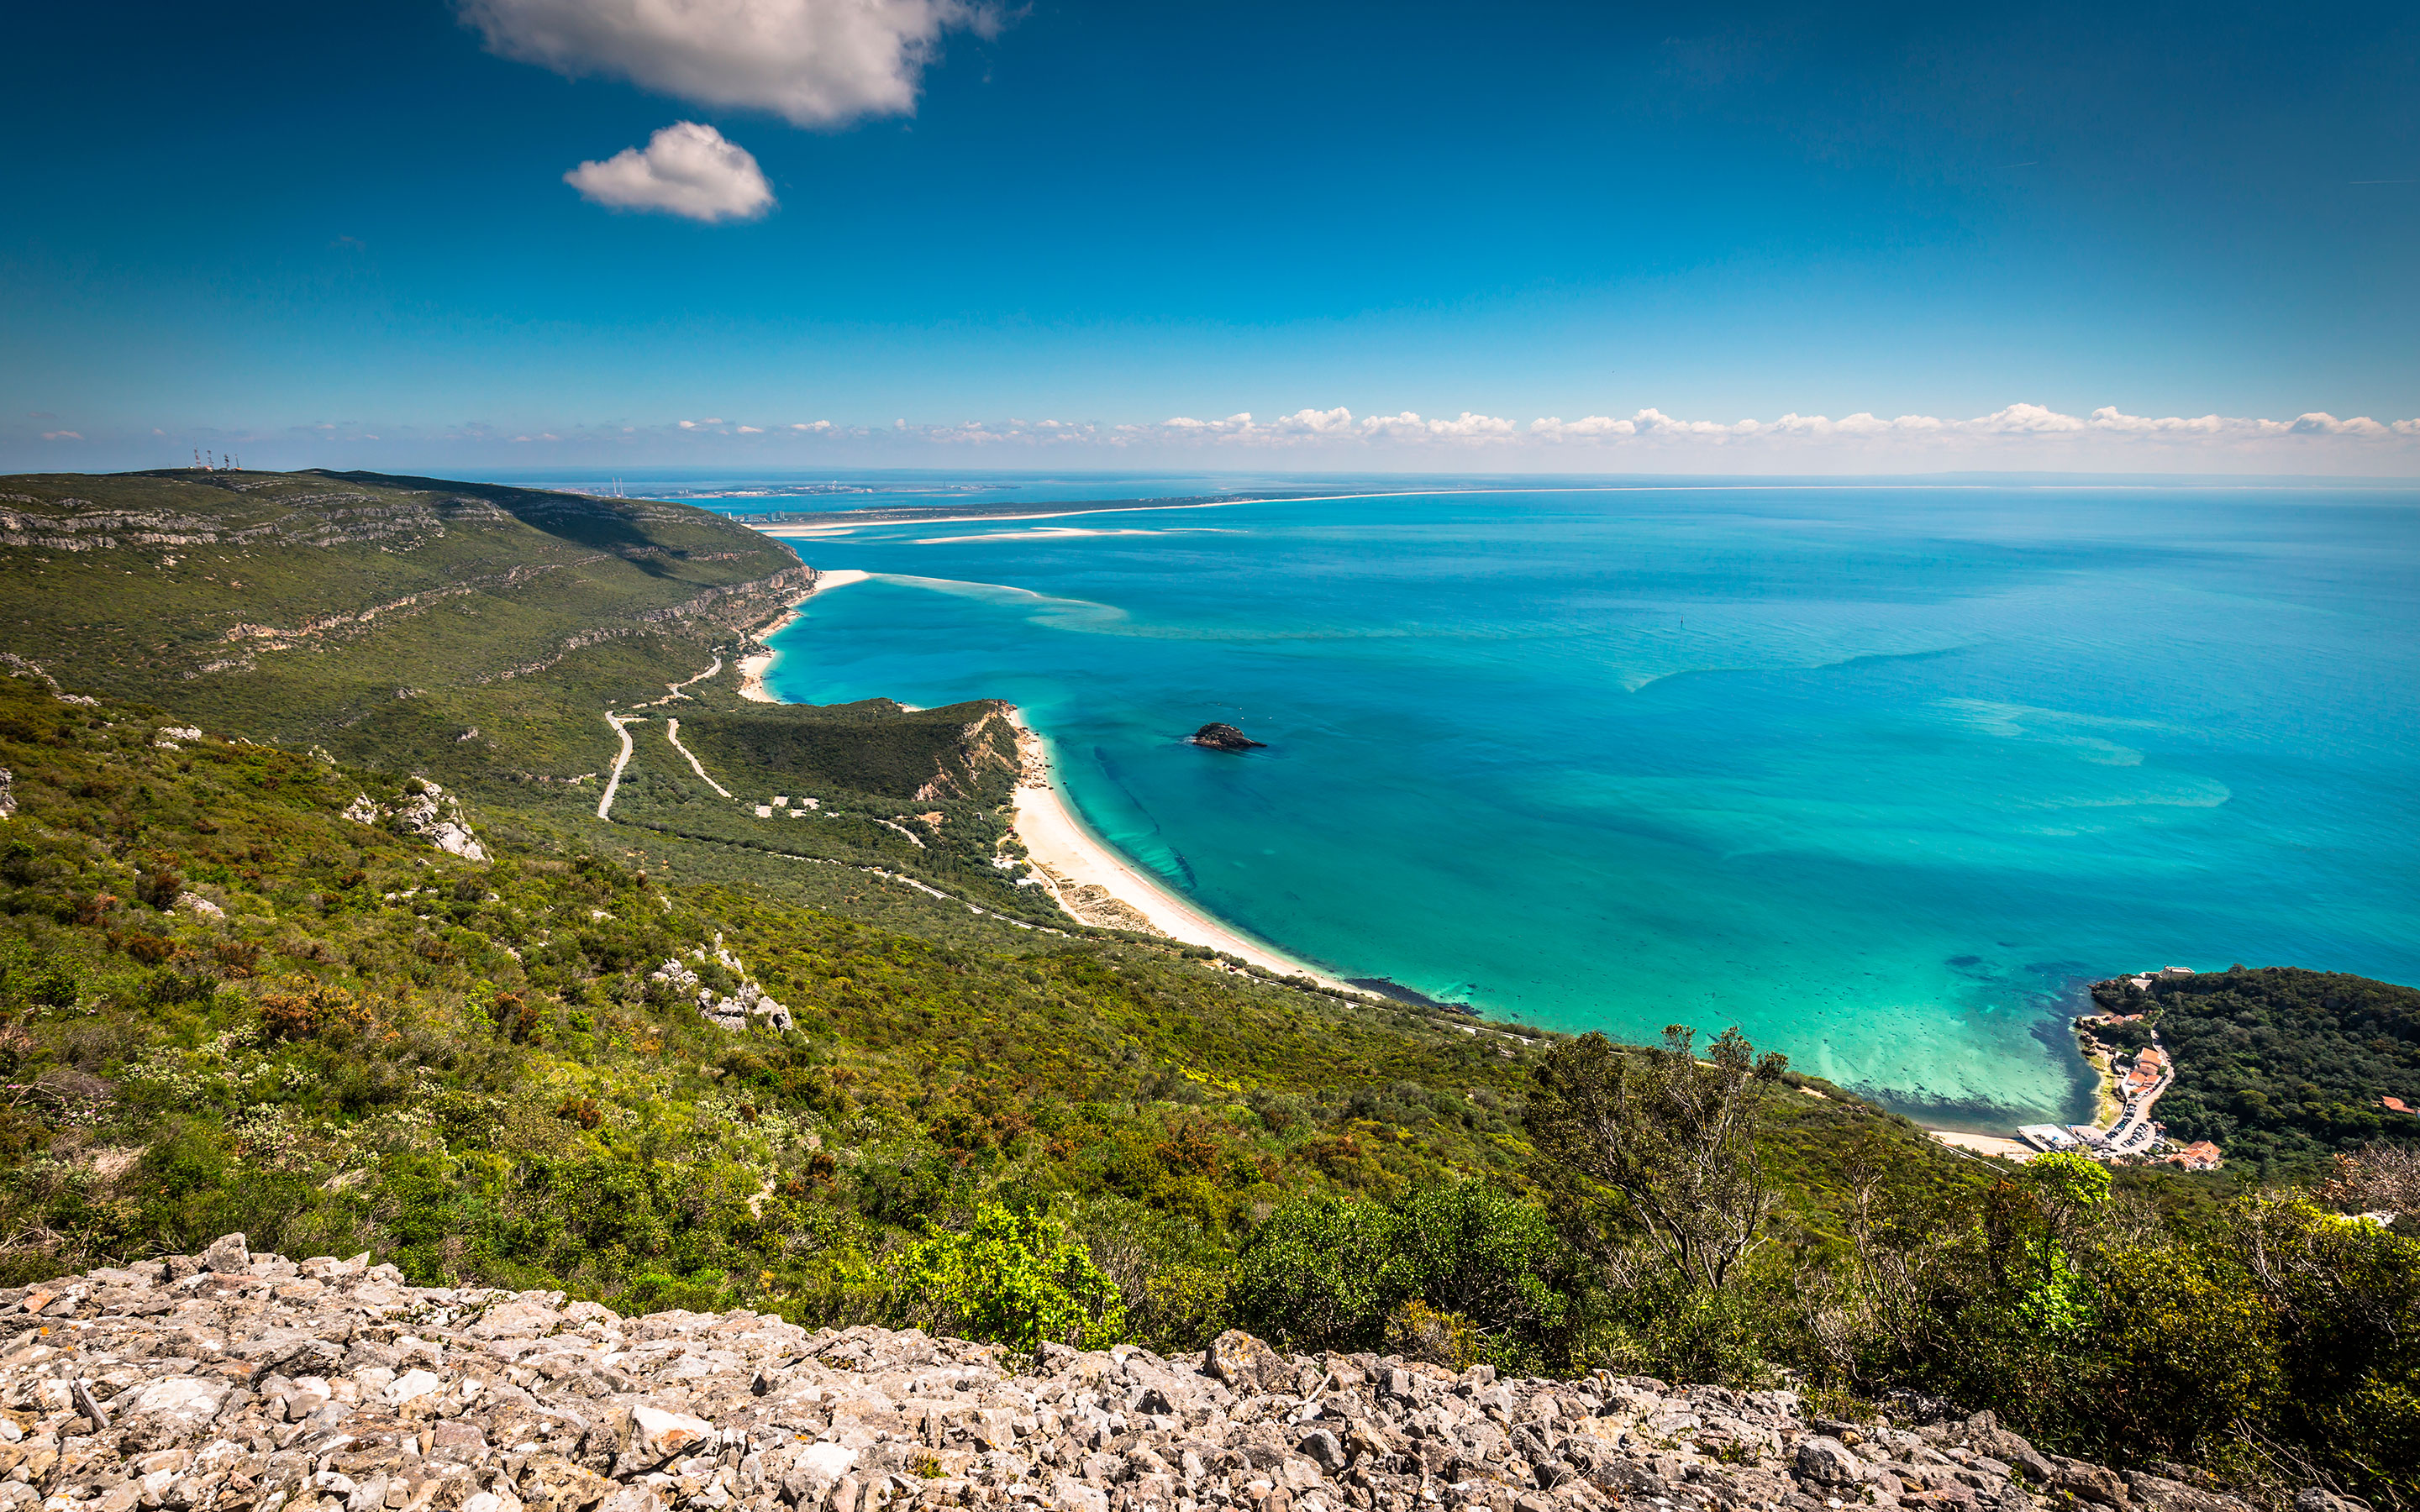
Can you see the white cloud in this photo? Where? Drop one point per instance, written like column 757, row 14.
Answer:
column 812, row 62
column 1310, row 426
column 2018, row 422
column 62, row 435
column 686, row 169
column 2017, row 437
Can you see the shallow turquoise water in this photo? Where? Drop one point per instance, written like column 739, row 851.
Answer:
column 1877, row 774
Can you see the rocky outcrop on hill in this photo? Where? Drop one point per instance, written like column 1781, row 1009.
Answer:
column 234, row 1383
column 731, row 1009
column 426, row 811
column 1225, row 737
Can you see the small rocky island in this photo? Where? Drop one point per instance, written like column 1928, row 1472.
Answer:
column 1225, row 737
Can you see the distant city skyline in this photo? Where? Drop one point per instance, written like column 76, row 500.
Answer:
column 792, row 235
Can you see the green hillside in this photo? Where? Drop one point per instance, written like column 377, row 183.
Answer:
column 478, row 635
column 231, row 1003
column 377, row 614
column 310, row 928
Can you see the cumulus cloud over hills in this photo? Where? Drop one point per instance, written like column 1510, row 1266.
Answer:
column 685, row 169
column 812, row 62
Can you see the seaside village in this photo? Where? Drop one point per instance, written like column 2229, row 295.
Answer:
column 2125, row 1132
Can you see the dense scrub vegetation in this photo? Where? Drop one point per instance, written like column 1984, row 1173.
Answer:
column 226, row 1005
column 229, row 1007
column 476, row 635
column 2283, row 1067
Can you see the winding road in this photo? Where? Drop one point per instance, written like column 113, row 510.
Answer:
column 614, row 783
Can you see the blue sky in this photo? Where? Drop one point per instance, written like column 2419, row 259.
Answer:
column 292, row 227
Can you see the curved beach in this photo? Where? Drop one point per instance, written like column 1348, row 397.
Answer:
column 753, row 665
column 1073, row 861
column 1086, row 877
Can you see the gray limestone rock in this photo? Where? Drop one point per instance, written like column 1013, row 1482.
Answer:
column 233, row 1380
column 227, row 1256
column 1245, row 1364
column 1826, row 1461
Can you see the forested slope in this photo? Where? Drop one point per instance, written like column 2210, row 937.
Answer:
column 2284, row 1067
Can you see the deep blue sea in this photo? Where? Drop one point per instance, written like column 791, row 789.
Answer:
column 1879, row 774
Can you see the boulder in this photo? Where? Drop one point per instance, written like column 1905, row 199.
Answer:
column 227, row 1256
column 1245, row 1364
column 658, row 1435
column 2089, row 1482
column 1216, row 736
column 1826, row 1461
column 1321, row 1446
column 2015, row 1451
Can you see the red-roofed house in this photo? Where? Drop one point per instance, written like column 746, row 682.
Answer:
column 2201, row 1155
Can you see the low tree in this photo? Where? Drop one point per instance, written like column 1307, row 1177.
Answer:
column 1663, row 1139
column 1011, row 1278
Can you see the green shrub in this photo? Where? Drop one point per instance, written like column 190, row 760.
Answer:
column 1011, row 1278
column 1322, row 1273
column 1326, row 1273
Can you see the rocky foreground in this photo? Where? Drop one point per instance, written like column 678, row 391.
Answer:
column 231, row 1380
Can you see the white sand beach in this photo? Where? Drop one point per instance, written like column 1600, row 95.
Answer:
column 1088, row 879
column 1095, row 884
column 1984, row 1144
column 753, row 665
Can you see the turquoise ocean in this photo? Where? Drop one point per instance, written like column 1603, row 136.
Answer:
column 1880, row 774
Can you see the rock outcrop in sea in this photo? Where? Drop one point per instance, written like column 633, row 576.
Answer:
column 230, row 1381
column 1225, row 737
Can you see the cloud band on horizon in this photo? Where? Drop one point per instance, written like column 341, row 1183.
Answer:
column 2019, row 437
column 1339, row 425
